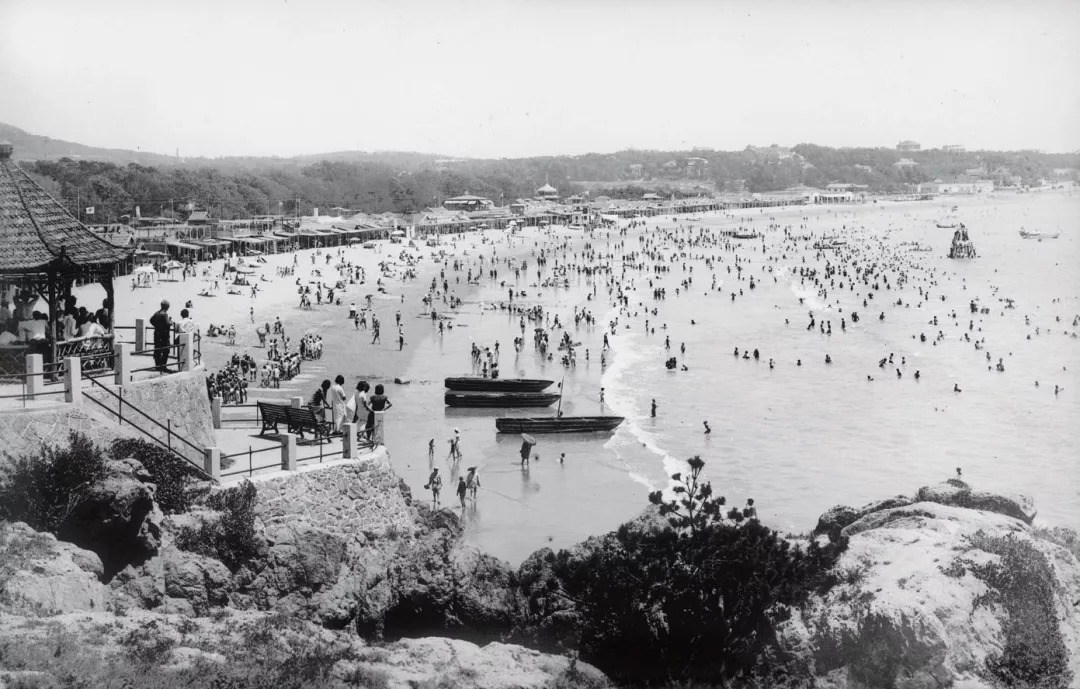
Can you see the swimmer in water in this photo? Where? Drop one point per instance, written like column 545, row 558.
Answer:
column 707, row 429
column 955, row 387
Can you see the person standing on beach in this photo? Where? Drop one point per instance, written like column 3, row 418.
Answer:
column 375, row 331
column 400, row 338
column 431, row 450
column 435, row 485
column 472, row 482
column 653, row 412
column 162, row 325
column 526, row 450
column 462, row 489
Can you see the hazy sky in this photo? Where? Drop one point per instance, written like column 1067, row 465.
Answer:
column 541, row 77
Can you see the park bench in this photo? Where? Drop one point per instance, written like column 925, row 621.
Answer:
column 272, row 415
column 303, row 419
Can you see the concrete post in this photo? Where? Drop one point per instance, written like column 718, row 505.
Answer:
column 215, row 411
column 73, row 380
column 297, row 402
column 122, row 362
column 186, row 355
column 140, row 334
column 212, row 462
column 288, row 451
column 348, row 441
column 35, row 379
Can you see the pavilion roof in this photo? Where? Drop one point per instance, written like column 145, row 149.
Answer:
column 36, row 231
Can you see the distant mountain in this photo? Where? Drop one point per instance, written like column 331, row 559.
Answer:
column 34, row 147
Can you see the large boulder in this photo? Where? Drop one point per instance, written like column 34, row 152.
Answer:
column 958, row 493
column 117, row 518
column 174, row 581
column 41, row 575
column 923, row 600
column 835, row 520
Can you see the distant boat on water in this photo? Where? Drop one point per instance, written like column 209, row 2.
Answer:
column 946, row 226
column 478, row 384
column 500, row 399
column 1036, row 234
column 561, row 424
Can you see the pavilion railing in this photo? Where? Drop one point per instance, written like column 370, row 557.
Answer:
column 276, row 462
column 30, row 386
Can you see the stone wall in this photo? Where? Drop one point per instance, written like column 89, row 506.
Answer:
column 179, row 398
column 350, row 498
column 24, row 432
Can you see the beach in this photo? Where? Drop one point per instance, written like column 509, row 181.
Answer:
column 798, row 436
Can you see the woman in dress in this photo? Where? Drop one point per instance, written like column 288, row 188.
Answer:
column 362, row 414
column 337, row 403
column 378, row 403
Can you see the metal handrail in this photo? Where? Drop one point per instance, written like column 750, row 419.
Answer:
column 251, row 468
column 167, row 446
column 120, row 417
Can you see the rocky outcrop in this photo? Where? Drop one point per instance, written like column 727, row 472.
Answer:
column 832, row 522
column 956, row 492
column 952, row 589
column 41, row 574
column 117, row 516
column 174, row 581
column 264, row 649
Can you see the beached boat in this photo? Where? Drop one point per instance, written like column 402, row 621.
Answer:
column 500, row 399
column 946, row 226
column 552, row 424
column 477, row 384
column 1036, row 234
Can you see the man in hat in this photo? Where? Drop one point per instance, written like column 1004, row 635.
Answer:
column 162, row 325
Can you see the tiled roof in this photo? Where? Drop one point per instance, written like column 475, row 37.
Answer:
column 36, row 230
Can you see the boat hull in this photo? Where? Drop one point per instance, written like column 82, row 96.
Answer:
column 475, row 384
column 551, row 424
column 499, row 399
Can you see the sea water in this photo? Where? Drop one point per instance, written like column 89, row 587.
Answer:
column 797, row 439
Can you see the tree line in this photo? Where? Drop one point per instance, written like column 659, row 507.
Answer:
column 404, row 183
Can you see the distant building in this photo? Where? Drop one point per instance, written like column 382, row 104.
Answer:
column 908, row 146
column 199, row 218
column 547, row 192
column 651, row 197
column 953, row 148
column 960, row 185
column 905, row 162
column 864, row 168
column 467, row 202
column 847, row 186
column 637, row 170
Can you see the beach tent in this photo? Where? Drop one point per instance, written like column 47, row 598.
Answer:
column 145, row 269
column 174, row 265
column 397, row 233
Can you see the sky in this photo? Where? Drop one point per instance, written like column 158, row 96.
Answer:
column 540, row 77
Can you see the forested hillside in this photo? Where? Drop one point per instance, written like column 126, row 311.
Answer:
column 404, row 182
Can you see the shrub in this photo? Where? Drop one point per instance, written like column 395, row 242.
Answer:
column 231, row 538
column 1023, row 584
column 44, row 490
column 173, row 476
column 696, row 600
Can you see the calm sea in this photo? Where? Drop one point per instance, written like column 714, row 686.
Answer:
column 798, row 439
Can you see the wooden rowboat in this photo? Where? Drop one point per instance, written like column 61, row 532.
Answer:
column 499, row 399
column 477, row 384
column 551, row 424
